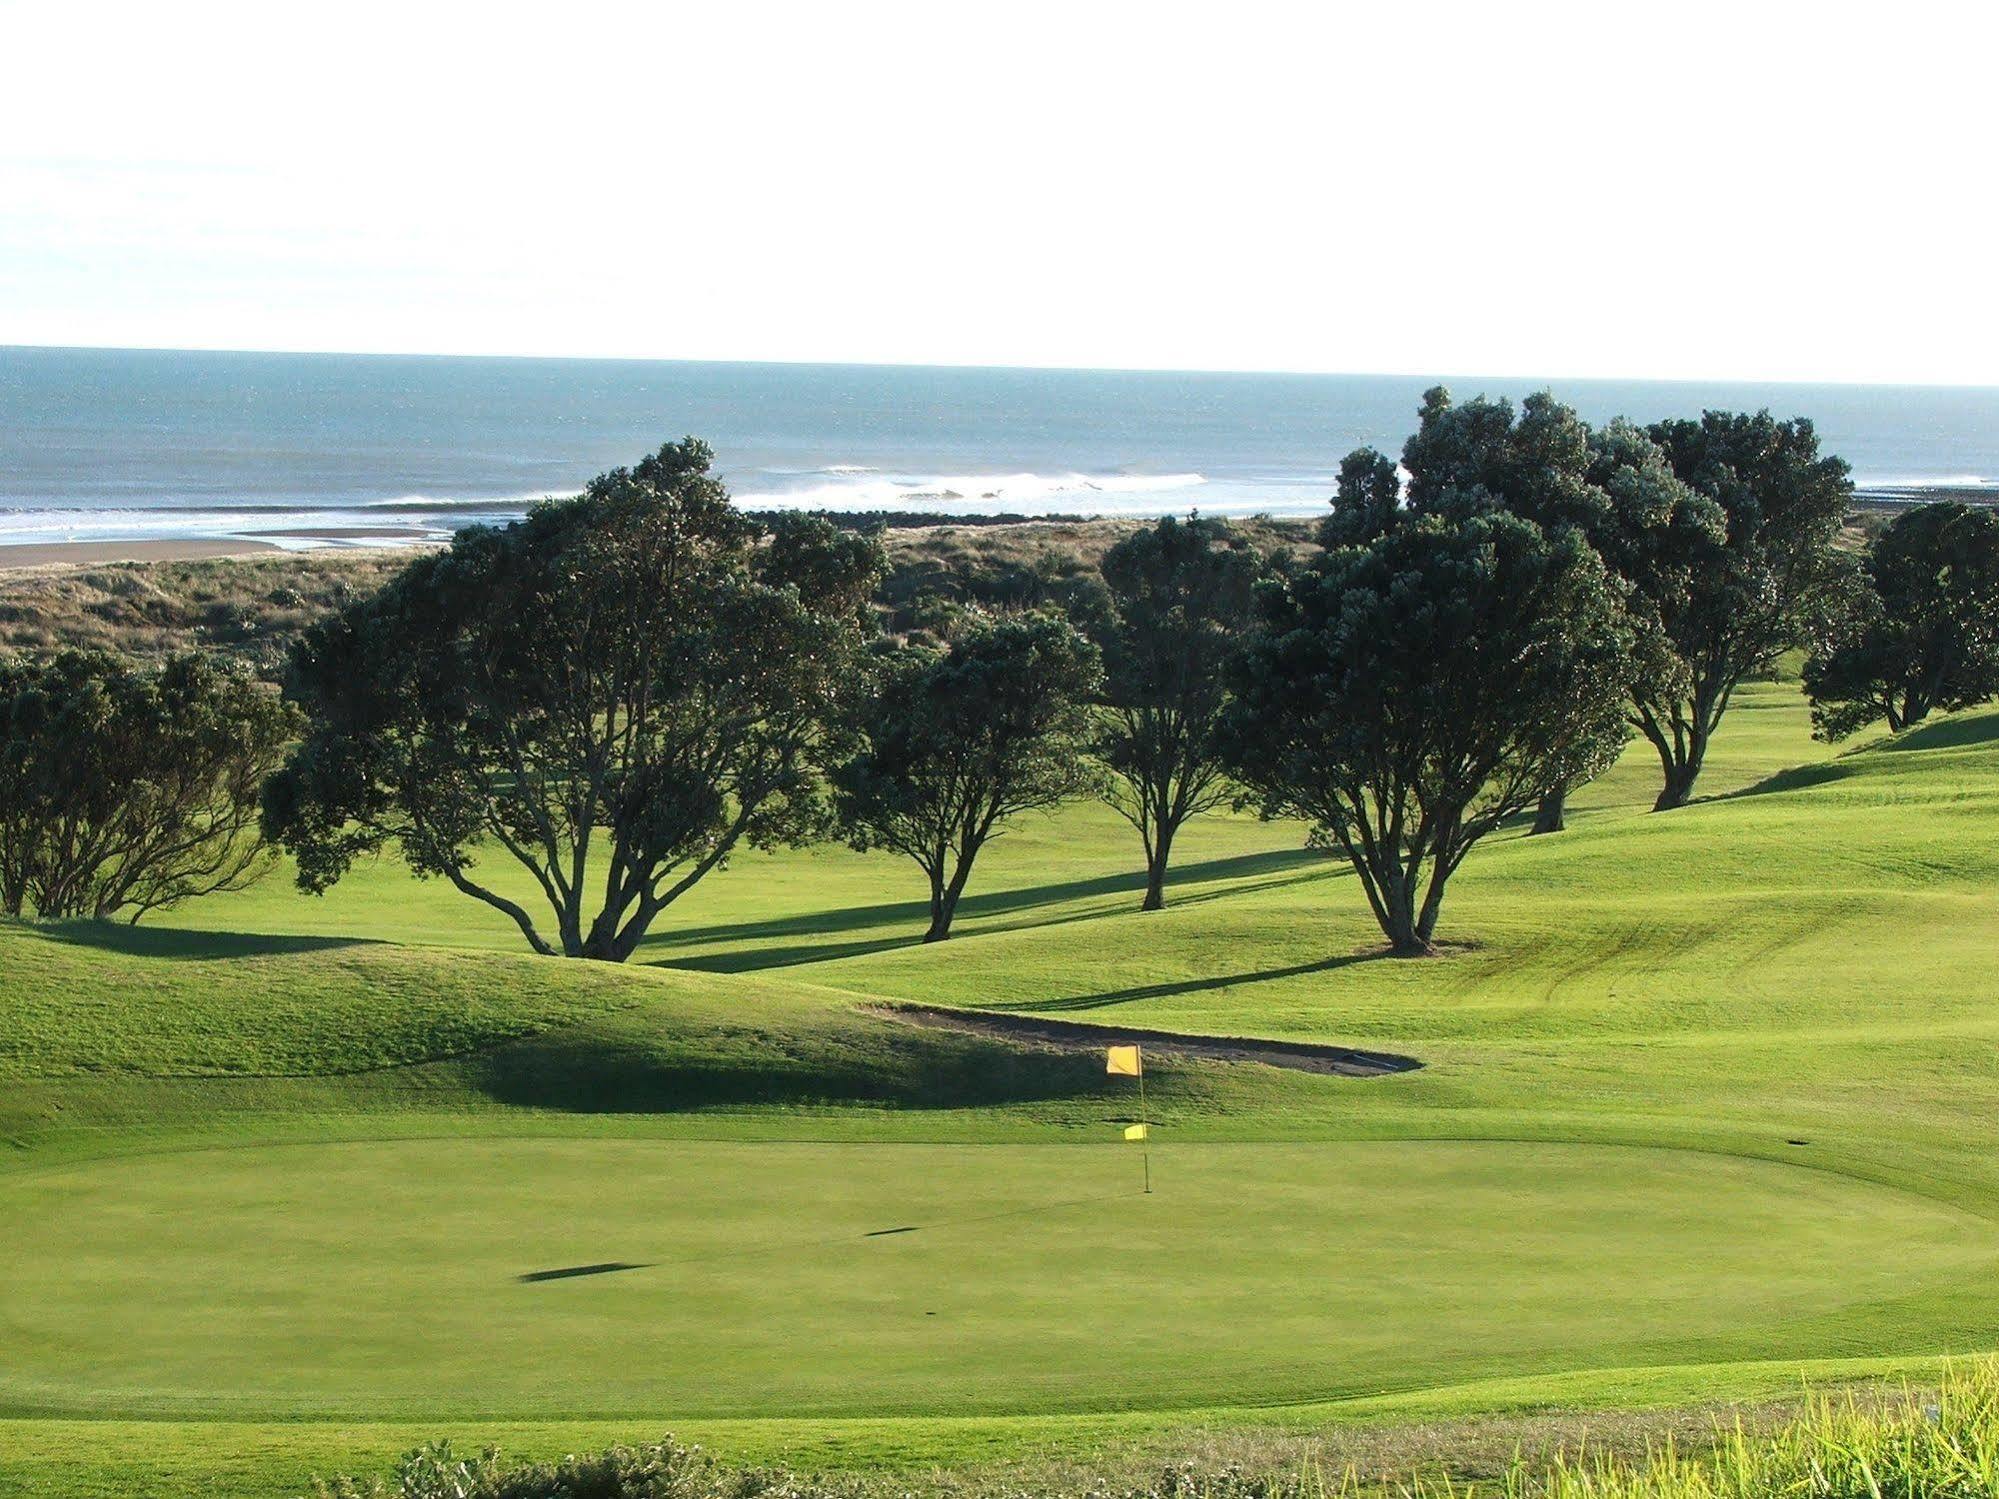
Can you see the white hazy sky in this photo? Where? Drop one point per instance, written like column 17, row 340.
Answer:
column 1783, row 191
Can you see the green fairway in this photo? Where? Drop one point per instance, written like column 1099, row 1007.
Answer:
column 1705, row 1098
column 714, row 1279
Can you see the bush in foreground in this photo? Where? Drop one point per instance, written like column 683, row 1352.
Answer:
column 662, row 1470
column 1910, row 1446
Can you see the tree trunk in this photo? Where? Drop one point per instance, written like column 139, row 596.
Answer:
column 1405, row 943
column 1155, row 870
column 1679, row 787
column 1552, row 815
column 1399, row 921
column 944, row 899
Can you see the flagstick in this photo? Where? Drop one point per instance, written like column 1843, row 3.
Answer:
column 1145, row 1139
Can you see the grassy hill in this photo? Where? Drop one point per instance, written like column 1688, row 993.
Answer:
column 1705, row 1098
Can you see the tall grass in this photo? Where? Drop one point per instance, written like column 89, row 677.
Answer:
column 1940, row 1444
column 1906, row 1447
column 1935, row 1444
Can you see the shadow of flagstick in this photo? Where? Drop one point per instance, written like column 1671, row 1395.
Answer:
column 576, row 1272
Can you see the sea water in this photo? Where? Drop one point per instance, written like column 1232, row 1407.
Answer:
column 311, row 448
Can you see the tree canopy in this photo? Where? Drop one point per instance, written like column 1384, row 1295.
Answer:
column 1614, row 486
column 1182, row 595
column 614, row 693
column 1729, row 603
column 1923, row 635
column 1410, row 693
column 955, row 742
column 125, row 789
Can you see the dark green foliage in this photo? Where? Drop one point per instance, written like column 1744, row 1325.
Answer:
column 125, row 789
column 1181, row 595
column 1368, row 501
column 660, row 1470
column 1923, row 635
column 957, row 741
column 631, row 663
column 1474, row 457
column 1724, row 529
column 1729, row 604
column 1410, row 694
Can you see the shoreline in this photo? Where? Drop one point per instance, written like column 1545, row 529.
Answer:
column 15, row 556
column 19, row 555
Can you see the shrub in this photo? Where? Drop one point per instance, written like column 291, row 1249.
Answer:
column 660, row 1470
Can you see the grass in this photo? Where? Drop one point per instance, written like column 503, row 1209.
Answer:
column 714, row 1279
column 1706, row 1100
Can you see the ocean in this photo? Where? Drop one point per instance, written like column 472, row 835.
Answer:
column 319, row 449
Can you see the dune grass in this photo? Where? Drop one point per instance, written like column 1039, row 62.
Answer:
column 1702, row 1093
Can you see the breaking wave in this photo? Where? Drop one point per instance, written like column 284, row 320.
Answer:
column 850, row 487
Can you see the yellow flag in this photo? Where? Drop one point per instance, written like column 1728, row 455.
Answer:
column 1123, row 1062
column 1136, row 1131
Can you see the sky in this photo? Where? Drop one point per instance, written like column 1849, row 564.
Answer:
column 1665, row 190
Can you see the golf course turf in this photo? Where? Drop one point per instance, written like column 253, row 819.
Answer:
column 1703, row 1100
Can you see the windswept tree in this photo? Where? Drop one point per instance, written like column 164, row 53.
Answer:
column 1475, row 457
column 126, row 789
column 1923, row 636
column 955, row 742
column 1613, row 485
column 1730, row 606
column 1182, row 595
column 613, row 693
column 1408, row 694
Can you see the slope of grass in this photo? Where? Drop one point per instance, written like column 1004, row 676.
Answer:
column 1699, row 1090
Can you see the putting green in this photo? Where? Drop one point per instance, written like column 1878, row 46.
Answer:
column 386, row 1278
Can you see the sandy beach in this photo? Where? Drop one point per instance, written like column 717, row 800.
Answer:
column 187, row 549
column 91, row 553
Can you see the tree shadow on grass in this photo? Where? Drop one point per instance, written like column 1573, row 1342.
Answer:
column 610, row 1069
column 1104, row 999
column 1797, row 778
column 771, row 944
column 172, row 942
column 1962, row 731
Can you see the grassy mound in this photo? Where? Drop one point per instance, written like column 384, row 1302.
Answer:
column 96, row 998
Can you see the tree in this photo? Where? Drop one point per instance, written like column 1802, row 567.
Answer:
column 1729, row 606
column 1924, row 633
column 955, row 742
column 1409, row 694
column 615, row 693
column 1182, row 595
column 124, row 790
column 1473, row 457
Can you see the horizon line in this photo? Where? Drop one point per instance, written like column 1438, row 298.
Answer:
column 974, row 365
